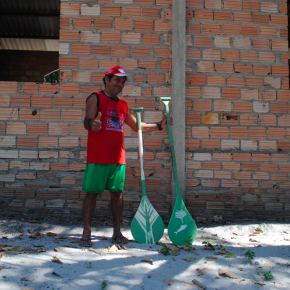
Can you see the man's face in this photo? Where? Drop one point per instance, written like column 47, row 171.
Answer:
column 116, row 84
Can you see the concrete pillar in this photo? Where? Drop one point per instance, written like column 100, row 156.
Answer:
column 178, row 89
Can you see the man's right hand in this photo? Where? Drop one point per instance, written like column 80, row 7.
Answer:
column 97, row 124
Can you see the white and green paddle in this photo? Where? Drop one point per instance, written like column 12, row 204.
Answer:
column 147, row 226
column 181, row 225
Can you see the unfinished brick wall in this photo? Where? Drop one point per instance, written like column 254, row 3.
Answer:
column 43, row 150
column 237, row 109
column 22, row 65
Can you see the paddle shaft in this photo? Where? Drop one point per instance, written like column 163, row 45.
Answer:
column 140, row 141
column 176, row 182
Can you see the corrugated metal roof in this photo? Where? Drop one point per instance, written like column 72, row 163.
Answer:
column 29, row 44
column 29, row 26
column 30, row 7
column 29, row 18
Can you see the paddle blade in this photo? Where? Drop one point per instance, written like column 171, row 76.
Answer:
column 147, row 226
column 181, row 226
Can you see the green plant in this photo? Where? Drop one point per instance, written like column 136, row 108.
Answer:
column 89, row 265
column 208, row 245
column 250, row 255
column 165, row 250
column 259, row 272
column 258, row 229
column 54, row 258
column 268, row 276
column 221, row 247
column 230, row 255
column 188, row 242
column 104, row 284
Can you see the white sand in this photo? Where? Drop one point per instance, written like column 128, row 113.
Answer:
column 83, row 269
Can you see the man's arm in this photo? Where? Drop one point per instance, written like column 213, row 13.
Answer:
column 131, row 121
column 92, row 122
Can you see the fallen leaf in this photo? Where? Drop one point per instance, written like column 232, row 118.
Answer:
column 196, row 282
column 167, row 238
column 1, row 254
column 223, row 252
column 265, row 267
column 189, row 285
column 257, row 246
column 55, row 274
column 223, row 272
column 59, row 237
column 27, row 288
column 174, row 250
column 240, row 280
column 119, row 247
column 168, row 281
column 286, row 239
column 251, row 235
column 13, row 253
column 104, row 239
column 97, row 252
column 24, row 279
column 51, row 234
column 235, row 234
column 129, row 256
column 209, row 262
column 57, row 249
column 254, row 241
column 243, row 245
column 211, row 257
column 124, row 247
column 241, row 269
column 259, row 282
column 41, row 250
column 113, row 249
column 70, row 246
column 57, row 260
column 173, row 259
column 148, row 261
column 205, row 271
column 256, row 233
column 189, row 259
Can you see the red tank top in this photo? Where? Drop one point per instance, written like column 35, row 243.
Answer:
column 107, row 145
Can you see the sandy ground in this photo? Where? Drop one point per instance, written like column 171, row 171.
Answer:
column 123, row 269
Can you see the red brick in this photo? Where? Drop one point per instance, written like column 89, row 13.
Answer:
column 151, row 12
column 197, row 79
column 223, row 16
column 231, row 55
column 203, row 15
column 202, row 41
column 211, row 28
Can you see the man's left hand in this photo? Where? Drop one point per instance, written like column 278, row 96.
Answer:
column 164, row 121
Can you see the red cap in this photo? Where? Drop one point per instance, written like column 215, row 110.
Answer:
column 118, row 71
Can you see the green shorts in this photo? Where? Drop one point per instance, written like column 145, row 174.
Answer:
column 100, row 177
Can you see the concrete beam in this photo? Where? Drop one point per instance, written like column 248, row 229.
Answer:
column 178, row 89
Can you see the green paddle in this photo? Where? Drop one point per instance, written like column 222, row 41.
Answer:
column 181, row 225
column 147, row 226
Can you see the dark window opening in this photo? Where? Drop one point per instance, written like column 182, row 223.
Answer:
column 29, row 39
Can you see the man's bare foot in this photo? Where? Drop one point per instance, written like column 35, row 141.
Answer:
column 85, row 242
column 119, row 239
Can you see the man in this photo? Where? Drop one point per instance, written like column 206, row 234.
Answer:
column 105, row 169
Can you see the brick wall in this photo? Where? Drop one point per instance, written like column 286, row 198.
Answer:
column 237, row 109
column 22, row 66
column 43, row 150
column 237, row 91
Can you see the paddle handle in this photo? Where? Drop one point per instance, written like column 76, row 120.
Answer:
column 138, row 111
column 176, row 182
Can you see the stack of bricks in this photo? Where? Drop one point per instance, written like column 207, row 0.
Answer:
column 237, row 109
column 237, row 134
